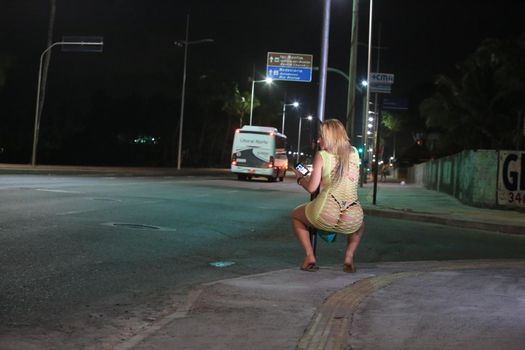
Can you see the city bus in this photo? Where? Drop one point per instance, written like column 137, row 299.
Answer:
column 259, row 151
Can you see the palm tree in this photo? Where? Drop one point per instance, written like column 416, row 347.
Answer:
column 237, row 104
column 393, row 123
column 480, row 109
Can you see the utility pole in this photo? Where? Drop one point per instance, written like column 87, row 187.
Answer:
column 324, row 60
column 322, row 91
column 376, row 106
column 350, row 102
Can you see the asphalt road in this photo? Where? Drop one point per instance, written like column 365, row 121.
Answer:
column 85, row 261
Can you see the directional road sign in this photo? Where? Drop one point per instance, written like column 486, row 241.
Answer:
column 381, row 88
column 289, row 66
column 395, row 104
column 381, row 78
column 381, row 82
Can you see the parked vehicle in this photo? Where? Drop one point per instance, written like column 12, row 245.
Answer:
column 259, row 151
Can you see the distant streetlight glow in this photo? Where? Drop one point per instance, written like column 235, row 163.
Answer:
column 364, row 83
column 267, row 81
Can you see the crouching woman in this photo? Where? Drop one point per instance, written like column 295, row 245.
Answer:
column 336, row 208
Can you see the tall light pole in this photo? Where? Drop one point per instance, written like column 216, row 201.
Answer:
column 185, row 43
column 350, row 102
column 295, row 104
column 267, row 81
column 299, row 136
column 36, row 129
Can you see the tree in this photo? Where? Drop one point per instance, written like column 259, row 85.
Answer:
column 393, row 123
column 238, row 104
column 482, row 108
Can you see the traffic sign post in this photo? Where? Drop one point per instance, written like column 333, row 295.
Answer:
column 381, row 83
column 395, row 104
column 289, row 66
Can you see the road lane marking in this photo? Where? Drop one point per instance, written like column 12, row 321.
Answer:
column 55, row 190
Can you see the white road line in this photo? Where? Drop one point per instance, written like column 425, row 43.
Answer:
column 53, row 190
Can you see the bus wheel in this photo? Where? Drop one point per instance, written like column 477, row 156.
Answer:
column 272, row 178
column 241, row 177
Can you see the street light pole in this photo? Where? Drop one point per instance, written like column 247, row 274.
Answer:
column 324, row 60
column 183, row 93
column 299, row 140
column 350, row 102
column 181, row 122
column 299, row 136
column 295, row 104
column 251, row 101
column 284, row 117
column 36, row 129
column 267, row 81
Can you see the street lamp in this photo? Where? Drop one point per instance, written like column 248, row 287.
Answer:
column 185, row 43
column 295, row 104
column 267, row 81
column 37, row 108
column 299, row 136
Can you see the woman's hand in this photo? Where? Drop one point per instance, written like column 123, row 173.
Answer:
column 312, row 182
column 297, row 174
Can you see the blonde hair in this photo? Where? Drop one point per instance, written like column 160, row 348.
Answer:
column 336, row 142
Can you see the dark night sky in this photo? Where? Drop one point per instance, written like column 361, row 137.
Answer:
column 424, row 38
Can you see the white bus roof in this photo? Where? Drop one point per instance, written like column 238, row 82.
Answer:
column 267, row 129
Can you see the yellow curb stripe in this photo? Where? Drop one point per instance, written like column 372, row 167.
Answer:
column 331, row 326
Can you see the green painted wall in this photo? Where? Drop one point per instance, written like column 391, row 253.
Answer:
column 470, row 176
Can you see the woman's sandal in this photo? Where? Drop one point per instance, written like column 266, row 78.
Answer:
column 349, row 268
column 311, row 267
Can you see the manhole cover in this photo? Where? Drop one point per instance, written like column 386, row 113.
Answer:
column 136, row 226
column 222, row 263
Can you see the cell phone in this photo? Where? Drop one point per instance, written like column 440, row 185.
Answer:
column 302, row 169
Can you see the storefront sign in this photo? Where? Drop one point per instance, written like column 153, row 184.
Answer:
column 511, row 178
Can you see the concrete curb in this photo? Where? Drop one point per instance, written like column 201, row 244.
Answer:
column 437, row 219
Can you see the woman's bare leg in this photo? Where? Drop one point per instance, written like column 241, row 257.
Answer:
column 351, row 246
column 300, row 226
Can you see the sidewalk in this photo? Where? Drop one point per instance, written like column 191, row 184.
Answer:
column 411, row 202
column 406, row 306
